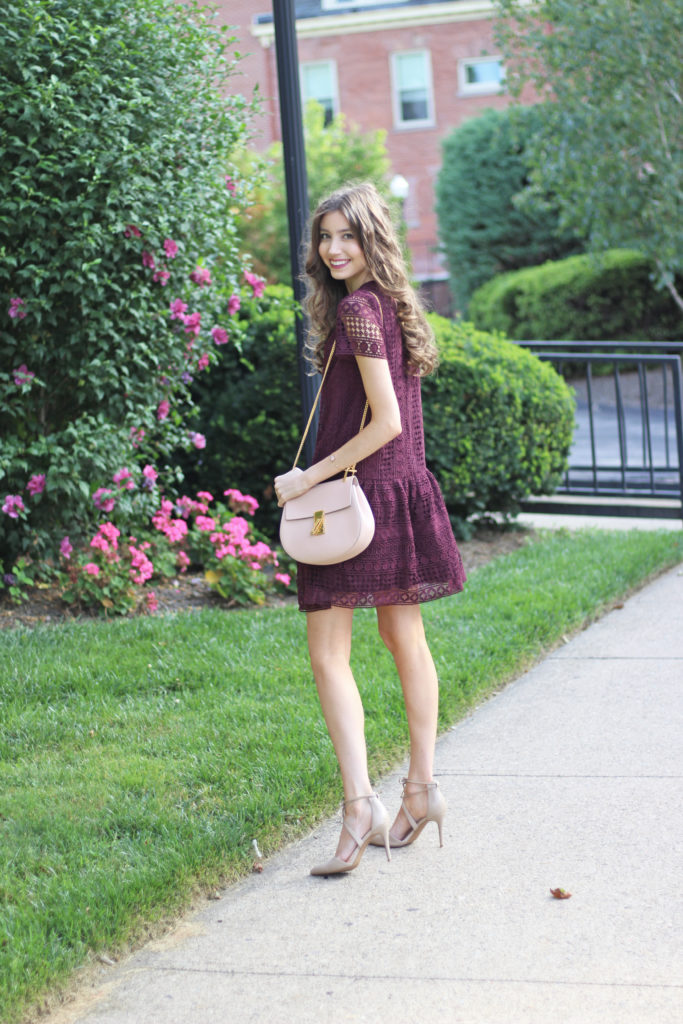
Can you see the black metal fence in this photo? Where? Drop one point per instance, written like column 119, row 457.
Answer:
column 628, row 439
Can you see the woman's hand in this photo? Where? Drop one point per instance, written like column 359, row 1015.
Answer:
column 291, row 485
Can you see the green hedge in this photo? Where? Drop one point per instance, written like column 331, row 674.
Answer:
column 498, row 421
column 610, row 298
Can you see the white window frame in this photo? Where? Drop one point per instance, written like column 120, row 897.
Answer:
column 466, row 88
column 425, row 122
column 339, row 5
column 332, row 64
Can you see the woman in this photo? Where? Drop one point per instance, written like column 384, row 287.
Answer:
column 360, row 296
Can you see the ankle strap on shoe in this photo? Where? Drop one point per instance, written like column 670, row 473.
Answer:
column 354, row 799
column 415, row 782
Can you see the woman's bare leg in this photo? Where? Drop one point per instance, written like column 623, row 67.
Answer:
column 402, row 631
column 329, row 645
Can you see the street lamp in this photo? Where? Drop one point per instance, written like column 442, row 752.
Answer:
column 399, row 187
column 294, row 154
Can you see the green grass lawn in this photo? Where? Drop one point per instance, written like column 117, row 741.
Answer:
column 139, row 758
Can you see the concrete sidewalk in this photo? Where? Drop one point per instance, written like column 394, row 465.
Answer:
column 571, row 777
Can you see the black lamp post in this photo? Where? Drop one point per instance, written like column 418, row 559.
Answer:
column 284, row 20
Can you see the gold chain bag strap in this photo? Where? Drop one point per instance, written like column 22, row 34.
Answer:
column 333, row 521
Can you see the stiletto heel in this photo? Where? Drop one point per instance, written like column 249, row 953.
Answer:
column 436, row 809
column 378, row 834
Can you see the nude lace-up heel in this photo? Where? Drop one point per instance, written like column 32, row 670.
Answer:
column 436, row 809
column 378, row 834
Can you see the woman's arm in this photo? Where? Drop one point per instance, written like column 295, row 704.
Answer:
column 383, row 427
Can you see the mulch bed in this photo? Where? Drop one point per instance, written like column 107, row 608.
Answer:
column 193, row 593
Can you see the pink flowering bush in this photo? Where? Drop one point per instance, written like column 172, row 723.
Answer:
column 113, row 572
column 107, row 307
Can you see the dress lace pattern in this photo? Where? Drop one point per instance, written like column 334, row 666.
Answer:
column 413, row 556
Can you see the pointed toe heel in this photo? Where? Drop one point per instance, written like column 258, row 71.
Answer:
column 377, row 834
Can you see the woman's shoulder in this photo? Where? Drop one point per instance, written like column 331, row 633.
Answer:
column 367, row 301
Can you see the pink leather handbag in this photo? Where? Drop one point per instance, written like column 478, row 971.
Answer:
column 331, row 522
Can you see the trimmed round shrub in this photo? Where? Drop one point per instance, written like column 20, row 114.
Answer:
column 498, row 422
column 482, row 230
column 582, row 298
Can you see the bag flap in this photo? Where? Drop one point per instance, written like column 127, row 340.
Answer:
column 330, row 496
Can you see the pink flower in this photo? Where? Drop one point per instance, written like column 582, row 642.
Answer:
column 124, row 479
column 15, row 310
column 198, row 440
column 192, row 322
column 65, row 548
column 132, row 232
column 234, row 303
column 163, row 409
column 256, row 566
column 92, row 569
column 152, row 602
column 237, row 529
column 36, row 484
column 182, row 561
column 161, row 275
column 220, row 335
column 111, row 532
column 22, row 375
column 178, row 307
column 104, row 499
column 205, row 523
column 170, row 248
column 141, row 568
column 136, row 436
column 150, row 475
column 203, row 361
column 230, row 185
column 201, row 276
column 13, row 505
column 284, row 578
column 258, row 285
column 240, row 502
column 205, row 496
column 148, row 260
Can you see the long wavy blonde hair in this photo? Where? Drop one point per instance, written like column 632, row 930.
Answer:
column 370, row 220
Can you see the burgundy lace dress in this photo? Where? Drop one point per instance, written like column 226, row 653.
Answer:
column 413, row 556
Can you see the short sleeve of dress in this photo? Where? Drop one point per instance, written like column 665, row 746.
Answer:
column 360, row 331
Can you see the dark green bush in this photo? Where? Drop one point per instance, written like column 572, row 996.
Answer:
column 582, row 298
column 117, row 132
column 250, row 407
column 498, row 422
column 482, row 230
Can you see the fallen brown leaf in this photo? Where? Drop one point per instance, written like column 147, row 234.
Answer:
column 560, row 894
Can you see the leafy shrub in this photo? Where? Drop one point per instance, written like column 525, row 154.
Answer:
column 482, row 229
column 582, row 298
column 117, row 135
column 498, row 422
column 250, row 405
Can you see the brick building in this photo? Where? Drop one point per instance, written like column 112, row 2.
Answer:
column 415, row 68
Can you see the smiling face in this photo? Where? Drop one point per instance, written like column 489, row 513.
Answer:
column 340, row 251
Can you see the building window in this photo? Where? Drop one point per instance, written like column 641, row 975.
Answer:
column 319, row 83
column 412, row 92
column 480, row 75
